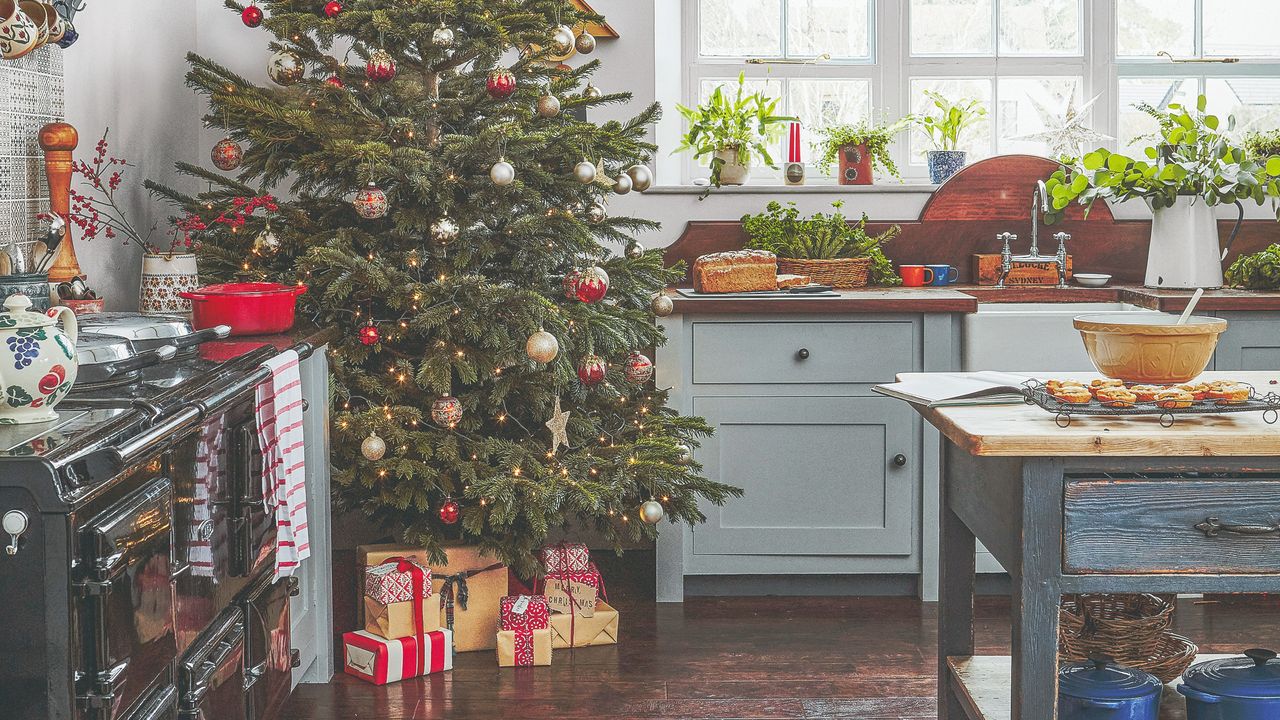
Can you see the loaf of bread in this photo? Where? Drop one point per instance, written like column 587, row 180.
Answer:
column 736, row 271
column 790, row 281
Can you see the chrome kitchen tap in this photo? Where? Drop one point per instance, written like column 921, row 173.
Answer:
column 1039, row 204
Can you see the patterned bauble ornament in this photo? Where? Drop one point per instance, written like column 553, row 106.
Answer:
column 548, row 106
column 686, row 454
column 585, row 43
column 266, row 242
column 446, row 411
column 373, row 447
column 502, row 173
column 335, row 81
column 562, row 40
column 442, row 37
column 592, row 370
column 622, row 185
column 596, row 214
column 380, row 67
column 501, row 84
column 585, row 172
column 371, row 202
column 444, row 230
column 592, row 285
column 227, row 153
column 591, row 92
column 450, row 511
column 651, row 511
column 332, row 9
column 638, row 369
column 285, row 68
column 542, row 347
column 662, row 305
column 369, row 335
column 251, row 16
column 635, row 250
column 570, row 283
column 641, row 177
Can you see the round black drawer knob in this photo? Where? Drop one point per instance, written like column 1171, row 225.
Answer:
column 803, row 353
column 900, row 460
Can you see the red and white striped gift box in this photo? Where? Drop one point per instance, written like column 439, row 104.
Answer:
column 565, row 557
column 381, row 661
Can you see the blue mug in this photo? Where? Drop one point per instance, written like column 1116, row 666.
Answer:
column 943, row 274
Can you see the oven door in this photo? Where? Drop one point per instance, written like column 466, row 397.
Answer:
column 211, row 675
column 269, row 657
column 255, row 526
column 160, row 704
column 127, row 591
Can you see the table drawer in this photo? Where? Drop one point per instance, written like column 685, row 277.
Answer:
column 802, row 352
column 1171, row 525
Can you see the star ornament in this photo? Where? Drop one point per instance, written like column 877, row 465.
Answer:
column 1067, row 134
column 559, row 427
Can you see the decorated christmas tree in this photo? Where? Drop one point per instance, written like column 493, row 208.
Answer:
column 445, row 202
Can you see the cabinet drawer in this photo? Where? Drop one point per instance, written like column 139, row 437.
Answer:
column 804, row 352
column 1139, row 525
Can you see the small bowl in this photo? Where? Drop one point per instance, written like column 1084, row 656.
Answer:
column 1149, row 347
column 1092, row 279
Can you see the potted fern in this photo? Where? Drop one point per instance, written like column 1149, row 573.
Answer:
column 827, row 248
column 943, row 124
column 859, row 147
column 733, row 131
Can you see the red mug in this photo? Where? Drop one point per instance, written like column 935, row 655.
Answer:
column 915, row 275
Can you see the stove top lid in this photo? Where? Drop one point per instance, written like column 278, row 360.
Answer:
column 96, row 348
column 136, row 326
column 42, row 439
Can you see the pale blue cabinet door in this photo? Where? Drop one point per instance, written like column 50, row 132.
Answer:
column 1251, row 342
column 819, row 473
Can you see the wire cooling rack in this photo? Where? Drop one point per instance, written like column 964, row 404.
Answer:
column 1034, row 393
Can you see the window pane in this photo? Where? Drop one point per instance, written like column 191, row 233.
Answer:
column 838, row 27
column 976, row 139
column 1255, row 102
column 771, row 87
column 823, row 103
column 952, row 27
column 1136, row 127
column 1033, row 105
column 1040, row 27
column 1250, row 28
column 740, row 28
column 1145, row 27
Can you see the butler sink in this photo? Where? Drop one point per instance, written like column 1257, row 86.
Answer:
column 1029, row 336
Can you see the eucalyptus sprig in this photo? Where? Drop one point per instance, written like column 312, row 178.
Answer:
column 747, row 123
column 876, row 138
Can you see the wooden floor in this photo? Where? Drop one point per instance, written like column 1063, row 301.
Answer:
column 818, row 658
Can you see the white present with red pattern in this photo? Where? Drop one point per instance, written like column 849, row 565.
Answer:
column 524, row 612
column 381, row 661
column 394, row 581
column 566, row 558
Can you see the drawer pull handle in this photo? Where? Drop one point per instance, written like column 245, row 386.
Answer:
column 803, row 353
column 1212, row 527
column 900, row 460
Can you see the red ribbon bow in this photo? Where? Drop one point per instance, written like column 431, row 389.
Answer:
column 419, row 578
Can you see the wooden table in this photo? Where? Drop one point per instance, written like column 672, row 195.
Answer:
column 1104, row 505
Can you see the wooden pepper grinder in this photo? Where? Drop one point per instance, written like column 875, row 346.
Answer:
column 58, row 140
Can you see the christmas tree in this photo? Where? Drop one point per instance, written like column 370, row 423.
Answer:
column 449, row 214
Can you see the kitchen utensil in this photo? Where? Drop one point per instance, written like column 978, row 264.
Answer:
column 106, row 360
column 37, row 360
column 1098, row 688
column 148, row 332
column 1092, row 279
column 58, row 141
column 1191, row 306
column 51, row 242
column 253, row 308
column 1149, row 347
column 1238, row 688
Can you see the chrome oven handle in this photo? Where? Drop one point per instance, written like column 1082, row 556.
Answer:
column 144, row 443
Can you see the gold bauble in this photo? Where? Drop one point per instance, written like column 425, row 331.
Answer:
column 651, row 511
column 373, row 447
column 542, row 347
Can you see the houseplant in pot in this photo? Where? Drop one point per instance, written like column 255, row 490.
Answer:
column 733, row 131
column 1262, row 144
column 1192, row 167
column 858, row 148
column 827, row 248
column 943, row 124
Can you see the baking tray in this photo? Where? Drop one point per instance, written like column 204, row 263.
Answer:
column 1034, row 393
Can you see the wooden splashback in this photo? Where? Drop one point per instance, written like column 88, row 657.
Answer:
column 981, row 201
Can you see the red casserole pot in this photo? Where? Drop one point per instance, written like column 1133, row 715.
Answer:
column 250, row 308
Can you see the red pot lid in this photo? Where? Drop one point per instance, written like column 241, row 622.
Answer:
column 250, row 289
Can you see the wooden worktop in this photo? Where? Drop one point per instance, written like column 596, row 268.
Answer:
column 1029, row 431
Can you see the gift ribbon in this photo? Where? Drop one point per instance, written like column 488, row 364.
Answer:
column 455, row 588
column 419, row 580
column 522, row 653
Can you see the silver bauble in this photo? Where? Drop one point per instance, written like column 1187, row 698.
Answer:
column 622, row 185
column 686, row 454
column 596, row 214
column 502, row 173
column 562, row 40
column 373, row 447
column 662, row 305
column 641, row 177
column 591, row 92
column 442, row 37
column 548, row 106
column 635, row 250
column 651, row 511
column 585, row 172
column 444, row 230
column 586, row 43
column 542, row 347
column 266, row 242
column 285, row 68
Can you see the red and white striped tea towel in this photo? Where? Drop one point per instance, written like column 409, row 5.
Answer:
column 284, row 487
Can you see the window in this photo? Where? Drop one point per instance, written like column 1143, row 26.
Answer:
column 1026, row 61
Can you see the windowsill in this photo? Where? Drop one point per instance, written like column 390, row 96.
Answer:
column 763, row 189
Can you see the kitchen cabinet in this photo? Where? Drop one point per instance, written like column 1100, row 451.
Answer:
column 1251, row 342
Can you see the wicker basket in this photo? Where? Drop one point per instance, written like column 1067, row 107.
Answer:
column 1132, row 629
column 839, row 273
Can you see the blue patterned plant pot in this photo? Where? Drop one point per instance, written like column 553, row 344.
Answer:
column 944, row 163
column 34, row 285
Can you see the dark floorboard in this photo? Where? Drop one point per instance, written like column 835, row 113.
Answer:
column 757, row 658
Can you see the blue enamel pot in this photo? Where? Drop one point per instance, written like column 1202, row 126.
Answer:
column 1098, row 689
column 1237, row 688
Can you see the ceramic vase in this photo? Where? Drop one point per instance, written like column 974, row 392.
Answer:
column 1184, row 251
column 944, row 163
column 855, row 165
column 732, row 172
column 163, row 278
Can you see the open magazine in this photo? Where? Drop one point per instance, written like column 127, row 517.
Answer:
column 987, row 387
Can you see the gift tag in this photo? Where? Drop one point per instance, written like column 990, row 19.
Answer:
column 521, row 605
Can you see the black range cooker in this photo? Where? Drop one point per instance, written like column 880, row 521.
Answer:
column 136, row 578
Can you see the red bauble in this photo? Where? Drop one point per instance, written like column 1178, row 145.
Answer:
column 335, row 81
column 369, row 335
column 450, row 511
column 371, row 203
column 332, row 9
column 446, row 411
column 592, row 285
column 227, row 153
column 639, row 368
column 251, row 16
column 381, row 67
column 501, row 84
column 592, row 370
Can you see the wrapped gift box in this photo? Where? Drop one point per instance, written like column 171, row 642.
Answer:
column 524, row 648
column 572, row 630
column 524, row 612
column 371, row 555
column 482, row 581
column 573, row 592
column 565, row 558
column 394, row 582
column 381, row 661
column 396, row 620
column 392, row 591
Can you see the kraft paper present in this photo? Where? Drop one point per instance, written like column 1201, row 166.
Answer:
column 485, row 580
column 524, row 648
column 573, row 630
column 381, row 661
column 396, row 620
column 573, row 592
column 368, row 555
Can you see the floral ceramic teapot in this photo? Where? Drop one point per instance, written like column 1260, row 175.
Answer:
column 37, row 361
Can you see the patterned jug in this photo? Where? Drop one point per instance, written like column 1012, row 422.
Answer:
column 37, row 361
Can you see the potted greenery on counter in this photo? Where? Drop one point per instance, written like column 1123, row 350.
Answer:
column 943, row 125
column 1262, row 144
column 733, row 131
column 827, row 248
column 858, row 147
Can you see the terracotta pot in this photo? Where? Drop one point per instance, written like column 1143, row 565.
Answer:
column 855, row 165
column 163, row 278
